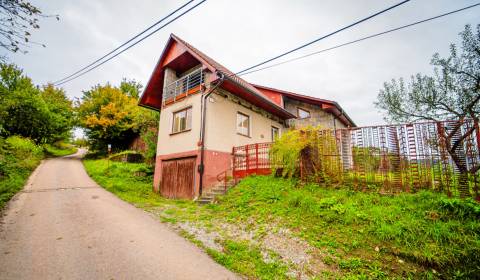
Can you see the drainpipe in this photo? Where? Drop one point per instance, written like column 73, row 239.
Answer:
column 201, row 167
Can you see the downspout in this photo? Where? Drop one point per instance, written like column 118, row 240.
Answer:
column 201, row 167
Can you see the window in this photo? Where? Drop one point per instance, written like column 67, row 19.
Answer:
column 182, row 120
column 243, row 124
column 275, row 133
column 303, row 114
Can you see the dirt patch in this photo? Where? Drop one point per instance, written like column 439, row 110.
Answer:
column 208, row 239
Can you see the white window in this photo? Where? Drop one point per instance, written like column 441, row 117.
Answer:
column 182, row 120
column 275, row 133
column 243, row 124
column 302, row 113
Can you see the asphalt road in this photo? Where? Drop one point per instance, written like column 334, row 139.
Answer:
column 64, row 226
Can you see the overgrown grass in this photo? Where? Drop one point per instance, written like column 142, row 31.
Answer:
column 242, row 257
column 356, row 235
column 59, row 149
column 119, row 178
column 18, row 158
column 425, row 230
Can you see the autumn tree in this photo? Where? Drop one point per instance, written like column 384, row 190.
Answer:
column 110, row 115
column 451, row 93
column 17, row 19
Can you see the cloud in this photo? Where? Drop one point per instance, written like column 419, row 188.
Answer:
column 242, row 33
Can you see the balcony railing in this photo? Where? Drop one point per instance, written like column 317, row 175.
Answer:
column 182, row 87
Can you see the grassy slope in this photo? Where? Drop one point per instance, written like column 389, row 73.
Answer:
column 349, row 235
column 19, row 159
column 54, row 151
column 15, row 181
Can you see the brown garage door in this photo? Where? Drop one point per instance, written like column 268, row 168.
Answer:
column 178, row 178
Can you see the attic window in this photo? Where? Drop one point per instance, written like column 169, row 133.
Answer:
column 303, row 114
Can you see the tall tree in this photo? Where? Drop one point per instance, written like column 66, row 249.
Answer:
column 17, row 19
column 44, row 115
column 61, row 112
column 110, row 115
column 453, row 92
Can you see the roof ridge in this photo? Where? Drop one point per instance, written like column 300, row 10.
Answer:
column 219, row 67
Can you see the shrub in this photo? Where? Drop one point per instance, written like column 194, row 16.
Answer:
column 18, row 157
column 460, row 208
column 311, row 146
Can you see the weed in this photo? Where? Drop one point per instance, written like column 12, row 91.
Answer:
column 421, row 235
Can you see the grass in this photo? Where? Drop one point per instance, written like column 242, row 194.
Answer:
column 348, row 235
column 18, row 158
column 59, row 149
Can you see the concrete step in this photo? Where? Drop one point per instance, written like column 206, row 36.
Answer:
column 204, row 201
column 217, row 192
column 207, row 196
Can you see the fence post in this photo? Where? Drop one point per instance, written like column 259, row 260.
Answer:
column 234, row 163
column 477, row 129
column 256, row 158
column 247, row 160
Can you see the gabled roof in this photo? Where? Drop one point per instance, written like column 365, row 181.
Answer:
column 328, row 105
column 151, row 96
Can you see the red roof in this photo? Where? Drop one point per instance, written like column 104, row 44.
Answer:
column 151, row 96
column 180, row 54
column 328, row 105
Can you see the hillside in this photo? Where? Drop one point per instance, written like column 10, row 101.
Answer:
column 272, row 228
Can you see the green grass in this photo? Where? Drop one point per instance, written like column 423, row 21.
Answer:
column 59, row 150
column 247, row 260
column 354, row 235
column 18, row 158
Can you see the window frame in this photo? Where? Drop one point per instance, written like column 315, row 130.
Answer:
column 188, row 127
column 249, row 124
column 301, row 109
column 278, row 132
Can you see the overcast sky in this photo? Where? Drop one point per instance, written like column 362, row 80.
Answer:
column 239, row 34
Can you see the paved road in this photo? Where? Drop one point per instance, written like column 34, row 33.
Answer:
column 63, row 226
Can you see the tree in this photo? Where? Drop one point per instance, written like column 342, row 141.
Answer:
column 110, row 115
column 131, row 88
column 61, row 112
column 44, row 115
column 17, row 18
column 453, row 93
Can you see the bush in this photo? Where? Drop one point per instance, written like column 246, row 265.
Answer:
column 460, row 208
column 311, row 146
column 18, row 158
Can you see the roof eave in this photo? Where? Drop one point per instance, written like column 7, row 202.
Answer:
column 284, row 114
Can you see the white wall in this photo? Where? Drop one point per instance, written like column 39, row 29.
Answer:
column 221, row 129
column 184, row 141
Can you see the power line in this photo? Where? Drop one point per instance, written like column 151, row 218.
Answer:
column 361, row 39
column 323, row 37
column 122, row 45
column 145, row 37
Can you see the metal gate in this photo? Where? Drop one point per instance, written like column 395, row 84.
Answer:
column 251, row 159
column 442, row 156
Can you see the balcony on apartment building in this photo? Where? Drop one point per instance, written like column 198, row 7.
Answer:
column 186, row 85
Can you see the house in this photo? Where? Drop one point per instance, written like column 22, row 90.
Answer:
column 206, row 111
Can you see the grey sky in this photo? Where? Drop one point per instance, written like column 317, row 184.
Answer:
column 239, row 34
